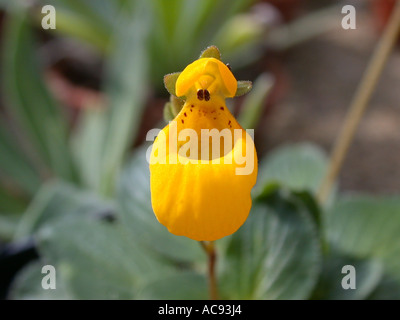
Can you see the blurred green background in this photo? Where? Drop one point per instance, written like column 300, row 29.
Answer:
column 76, row 104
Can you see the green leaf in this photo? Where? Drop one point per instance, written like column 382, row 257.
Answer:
column 28, row 100
column 167, row 15
column 89, row 21
column 191, row 32
column 98, row 261
column 255, row 101
column 274, row 255
column 95, row 258
column 8, row 226
column 77, row 26
column 28, row 285
column 56, row 201
column 240, row 38
column 183, row 285
column 298, row 167
column 126, row 87
column 387, row 289
column 15, row 164
column 12, row 202
column 368, row 227
column 197, row 29
column 367, row 278
column 306, row 199
column 133, row 197
column 189, row 27
column 101, row 13
column 87, row 146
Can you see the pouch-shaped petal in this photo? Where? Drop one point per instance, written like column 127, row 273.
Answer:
column 203, row 165
column 200, row 198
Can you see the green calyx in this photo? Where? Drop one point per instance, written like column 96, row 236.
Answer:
column 211, row 52
column 175, row 104
column 170, row 82
column 172, row 108
column 243, row 87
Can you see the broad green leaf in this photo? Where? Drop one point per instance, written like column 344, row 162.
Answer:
column 387, row 289
column 96, row 259
column 182, row 285
column 274, row 255
column 133, row 197
column 311, row 204
column 367, row 227
column 28, row 100
column 57, row 201
column 368, row 275
column 307, row 200
column 298, row 167
column 28, row 285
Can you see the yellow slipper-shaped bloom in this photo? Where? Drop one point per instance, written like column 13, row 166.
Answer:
column 203, row 165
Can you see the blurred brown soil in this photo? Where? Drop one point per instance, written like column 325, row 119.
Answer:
column 323, row 74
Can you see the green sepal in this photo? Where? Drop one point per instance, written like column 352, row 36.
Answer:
column 168, row 114
column 172, row 108
column 177, row 104
column 243, row 87
column 170, row 82
column 211, row 52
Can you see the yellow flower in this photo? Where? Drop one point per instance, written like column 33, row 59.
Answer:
column 203, row 165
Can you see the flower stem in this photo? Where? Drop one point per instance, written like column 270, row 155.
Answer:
column 209, row 249
column 359, row 103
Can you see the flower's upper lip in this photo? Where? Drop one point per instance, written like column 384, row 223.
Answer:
column 206, row 73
